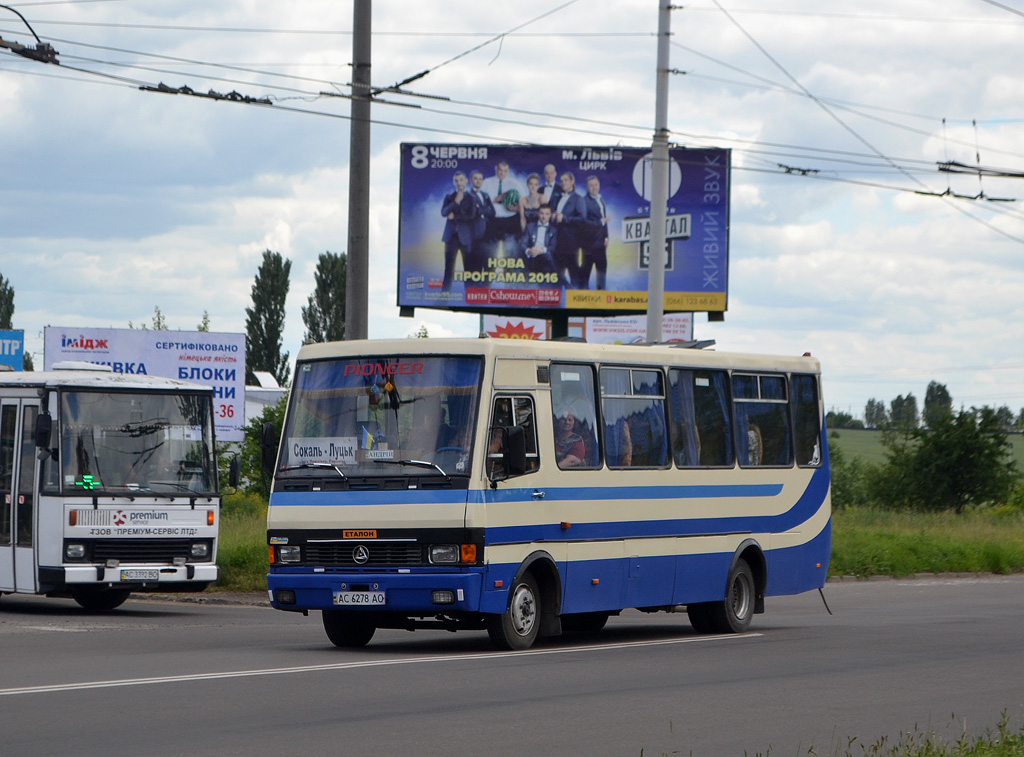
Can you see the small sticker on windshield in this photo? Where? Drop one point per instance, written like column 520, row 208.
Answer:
column 380, row 454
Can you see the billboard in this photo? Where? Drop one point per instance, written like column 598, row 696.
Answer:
column 203, row 357
column 620, row 329
column 472, row 231
column 12, row 349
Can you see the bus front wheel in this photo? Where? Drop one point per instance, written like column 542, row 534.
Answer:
column 99, row 600
column 348, row 629
column 734, row 613
column 518, row 626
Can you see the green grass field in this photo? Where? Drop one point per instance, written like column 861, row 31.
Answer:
column 867, row 445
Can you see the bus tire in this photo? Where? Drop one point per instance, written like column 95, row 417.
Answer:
column 584, row 623
column 700, row 617
column 348, row 629
column 100, row 600
column 518, row 626
column 734, row 613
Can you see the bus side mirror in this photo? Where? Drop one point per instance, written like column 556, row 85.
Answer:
column 268, row 448
column 44, row 426
column 234, row 472
column 515, row 451
column 506, row 452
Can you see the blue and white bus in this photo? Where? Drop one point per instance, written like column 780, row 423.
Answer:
column 530, row 488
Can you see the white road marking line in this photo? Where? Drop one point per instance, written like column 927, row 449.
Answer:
column 88, row 685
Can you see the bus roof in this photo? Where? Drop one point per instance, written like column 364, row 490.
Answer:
column 95, row 379
column 571, row 350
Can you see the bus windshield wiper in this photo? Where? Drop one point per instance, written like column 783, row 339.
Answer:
column 332, row 466
column 417, row 463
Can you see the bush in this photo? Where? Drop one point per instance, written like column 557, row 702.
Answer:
column 964, row 459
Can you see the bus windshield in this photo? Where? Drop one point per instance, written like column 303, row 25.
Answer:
column 369, row 416
column 133, row 442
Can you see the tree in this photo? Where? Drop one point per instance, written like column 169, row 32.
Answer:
column 1005, row 419
column 159, row 321
column 7, row 318
column 841, row 420
column 325, row 316
column 937, row 403
column 6, row 304
column 204, row 325
column 875, row 415
column 903, row 412
column 965, row 459
column 264, row 321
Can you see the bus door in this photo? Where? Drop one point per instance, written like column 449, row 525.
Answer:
column 18, row 466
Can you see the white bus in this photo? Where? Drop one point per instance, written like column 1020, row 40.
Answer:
column 533, row 488
column 108, row 485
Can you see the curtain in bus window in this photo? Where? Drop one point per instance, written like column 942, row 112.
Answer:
column 806, row 424
column 573, row 395
column 708, row 427
column 683, row 425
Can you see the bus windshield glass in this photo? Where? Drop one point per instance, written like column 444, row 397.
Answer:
column 372, row 416
column 134, row 443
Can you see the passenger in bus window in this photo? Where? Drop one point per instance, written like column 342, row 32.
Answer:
column 754, row 443
column 570, row 450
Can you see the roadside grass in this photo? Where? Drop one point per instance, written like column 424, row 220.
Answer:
column 242, row 554
column 873, row 542
column 1002, row 743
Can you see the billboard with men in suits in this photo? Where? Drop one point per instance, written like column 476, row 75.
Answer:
column 496, row 227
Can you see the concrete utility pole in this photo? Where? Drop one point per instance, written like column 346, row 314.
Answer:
column 357, row 282
column 659, row 182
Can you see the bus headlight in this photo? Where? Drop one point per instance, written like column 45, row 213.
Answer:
column 200, row 550
column 75, row 551
column 444, row 554
column 288, row 554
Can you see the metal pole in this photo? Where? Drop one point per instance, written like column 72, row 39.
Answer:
column 357, row 277
column 659, row 182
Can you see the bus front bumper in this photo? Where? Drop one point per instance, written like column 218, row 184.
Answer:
column 135, row 577
column 421, row 593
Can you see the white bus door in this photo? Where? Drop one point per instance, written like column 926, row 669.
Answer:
column 18, row 497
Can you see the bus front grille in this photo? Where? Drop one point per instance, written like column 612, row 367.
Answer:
column 379, row 555
column 140, row 550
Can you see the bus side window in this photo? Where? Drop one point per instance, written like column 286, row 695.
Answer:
column 633, row 407
column 507, row 412
column 701, row 428
column 806, row 428
column 763, row 434
column 575, row 416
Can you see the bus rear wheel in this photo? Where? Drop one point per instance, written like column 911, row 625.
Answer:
column 348, row 629
column 518, row 626
column 100, row 600
column 734, row 613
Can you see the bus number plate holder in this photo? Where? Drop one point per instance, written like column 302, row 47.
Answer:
column 140, row 575
column 348, row 598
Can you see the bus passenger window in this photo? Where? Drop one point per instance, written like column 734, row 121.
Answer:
column 806, row 422
column 701, row 428
column 575, row 416
column 633, row 406
column 761, row 419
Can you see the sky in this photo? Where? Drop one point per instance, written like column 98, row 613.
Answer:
column 844, row 241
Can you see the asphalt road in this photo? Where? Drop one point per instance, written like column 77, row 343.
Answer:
column 174, row 678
